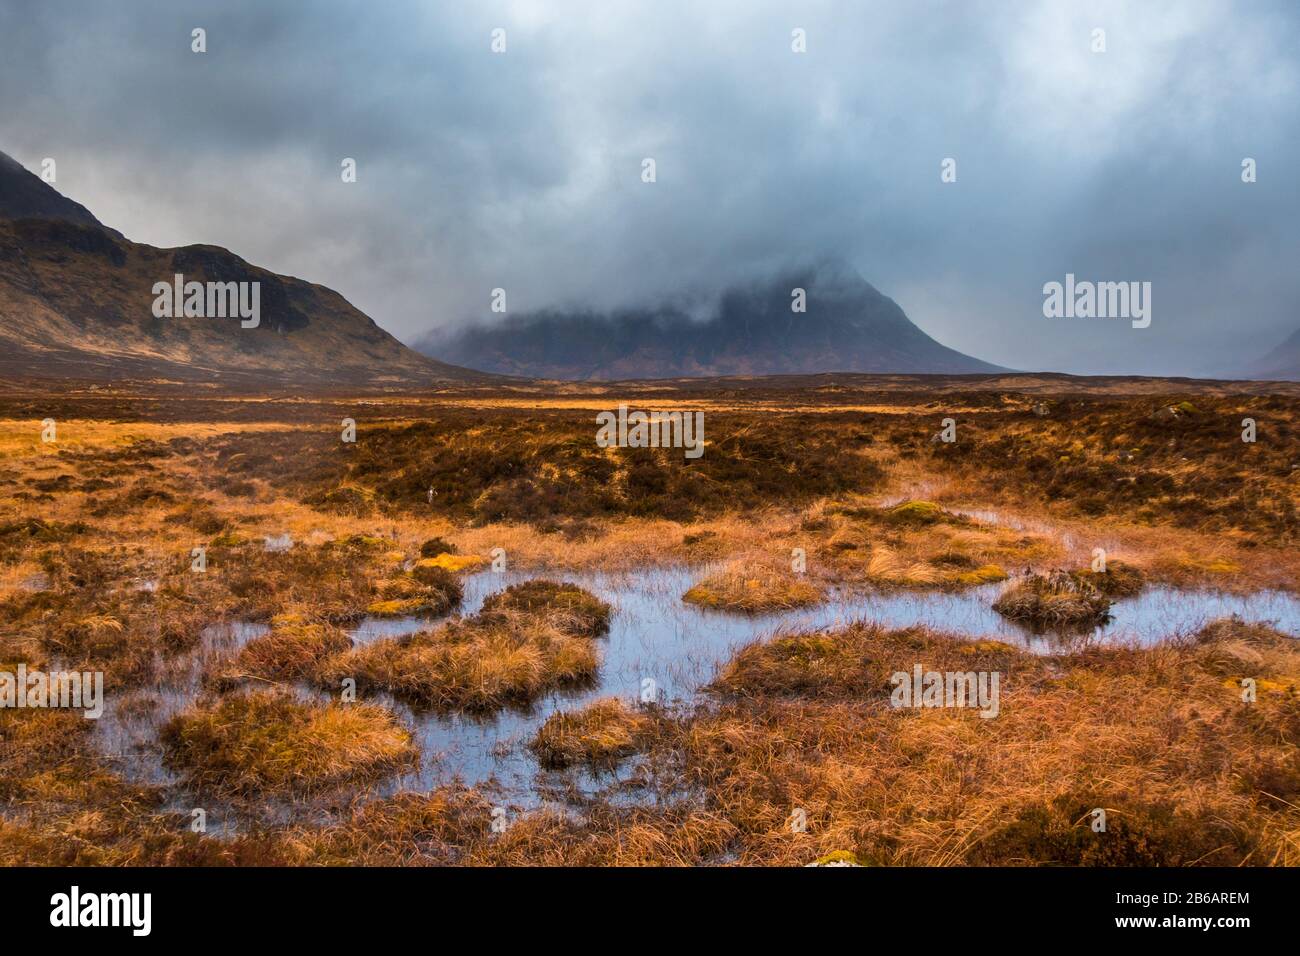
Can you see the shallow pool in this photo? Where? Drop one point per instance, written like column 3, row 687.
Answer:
column 658, row 642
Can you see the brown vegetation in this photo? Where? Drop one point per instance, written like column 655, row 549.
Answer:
column 1190, row 746
column 482, row 663
column 257, row 741
column 753, row 588
column 601, row 733
column 565, row 606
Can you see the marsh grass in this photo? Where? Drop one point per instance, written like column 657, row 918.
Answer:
column 1114, row 457
column 267, row 741
column 1060, row 599
column 600, row 734
column 804, row 721
column 567, row 606
column 1119, row 580
column 289, row 652
column 484, row 663
column 504, row 465
column 1189, row 771
column 752, row 587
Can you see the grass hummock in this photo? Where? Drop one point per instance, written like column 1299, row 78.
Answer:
column 290, row 651
column 271, row 741
column 569, row 607
column 432, row 547
column 917, row 513
column 600, row 734
column 753, row 589
column 1119, row 580
column 502, row 657
column 1060, row 599
column 429, row 591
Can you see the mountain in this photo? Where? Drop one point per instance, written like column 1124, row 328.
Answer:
column 77, row 301
column 1280, row 365
column 848, row 327
column 25, row 196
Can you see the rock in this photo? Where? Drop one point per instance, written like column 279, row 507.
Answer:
column 837, row 858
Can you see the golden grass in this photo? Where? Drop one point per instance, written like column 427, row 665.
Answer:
column 886, row 566
column 401, row 607
column 752, row 588
column 602, row 733
column 1056, row 600
column 290, row 651
column 268, row 741
column 1190, row 771
column 1187, row 771
column 565, row 606
column 986, row 574
column 452, row 562
column 476, row 664
column 22, row 437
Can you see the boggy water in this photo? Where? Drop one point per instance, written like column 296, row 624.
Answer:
column 653, row 636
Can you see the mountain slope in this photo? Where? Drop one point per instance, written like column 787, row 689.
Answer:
column 1282, row 364
column 76, row 301
column 27, row 196
column 848, row 327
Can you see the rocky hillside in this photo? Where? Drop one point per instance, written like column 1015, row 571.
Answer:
column 77, row 302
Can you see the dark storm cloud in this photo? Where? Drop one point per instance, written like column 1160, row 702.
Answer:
column 522, row 170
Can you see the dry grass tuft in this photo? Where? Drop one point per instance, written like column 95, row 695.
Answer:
column 269, row 741
column 753, row 588
column 291, row 651
column 567, row 606
column 1119, row 580
column 600, row 734
column 886, row 566
column 479, row 664
column 1056, row 600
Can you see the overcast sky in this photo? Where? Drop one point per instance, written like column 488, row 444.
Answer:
column 523, row 170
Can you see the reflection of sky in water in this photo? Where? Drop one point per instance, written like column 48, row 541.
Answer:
column 654, row 635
